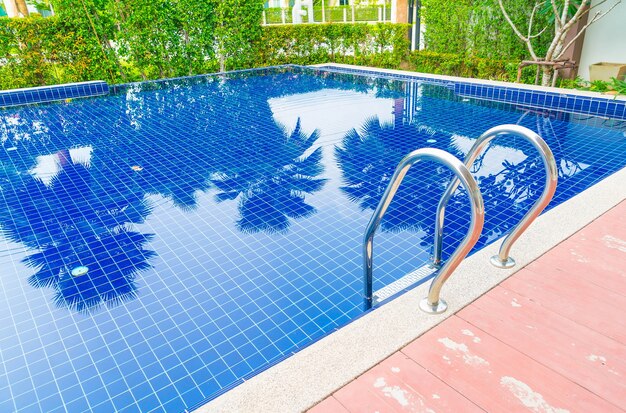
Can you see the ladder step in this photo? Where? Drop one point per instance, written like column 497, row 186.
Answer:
column 404, row 283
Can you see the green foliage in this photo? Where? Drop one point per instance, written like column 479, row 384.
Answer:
column 237, row 31
column 598, row 86
column 615, row 86
column 150, row 39
column 478, row 28
column 463, row 66
column 335, row 14
column 39, row 51
column 618, row 85
column 381, row 44
column 158, row 37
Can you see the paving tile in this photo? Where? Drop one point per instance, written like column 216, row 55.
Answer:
column 594, row 267
column 580, row 354
column 574, row 298
column 494, row 375
column 599, row 247
column 604, row 240
column 409, row 387
column 599, row 229
column 616, row 214
column 358, row 400
column 329, row 405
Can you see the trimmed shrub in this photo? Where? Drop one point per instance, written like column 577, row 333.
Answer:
column 478, row 28
column 382, row 44
column 37, row 51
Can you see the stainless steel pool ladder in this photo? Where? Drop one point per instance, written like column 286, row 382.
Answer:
column 503, row 260
column 432, row 303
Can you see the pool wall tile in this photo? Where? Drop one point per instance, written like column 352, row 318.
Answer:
column 546, row 100
column 44, row 94
column 587, row 105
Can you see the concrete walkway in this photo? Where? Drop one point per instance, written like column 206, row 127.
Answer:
column 551, row 338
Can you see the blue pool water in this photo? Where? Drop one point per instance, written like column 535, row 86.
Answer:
column 160, row 244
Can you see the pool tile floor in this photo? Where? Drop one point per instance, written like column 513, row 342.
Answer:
column 551, row 338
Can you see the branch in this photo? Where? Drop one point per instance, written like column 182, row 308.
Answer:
column 566, row 26
column 539, row 34
column 600, row 3
column 595, row 18
column 517, row 32
column 555, row 10
column 582, row 9
column 566, row 8
column 530, row 23
column 508, row 19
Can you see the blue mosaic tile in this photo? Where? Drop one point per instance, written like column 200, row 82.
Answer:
column 45, row 94
column 615, row 109
column 165, row 242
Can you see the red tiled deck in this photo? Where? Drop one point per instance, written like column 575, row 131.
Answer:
column 551, row 338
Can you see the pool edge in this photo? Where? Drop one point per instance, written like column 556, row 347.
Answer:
column 307, row 377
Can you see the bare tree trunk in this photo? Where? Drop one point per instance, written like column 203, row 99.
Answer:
column 21, row 7
column 546, row 76
column 555, row 73
column 11, row 8
column 563, row 22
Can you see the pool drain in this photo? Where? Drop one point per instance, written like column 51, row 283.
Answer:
column 80, row 270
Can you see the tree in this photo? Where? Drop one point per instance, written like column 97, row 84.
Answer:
column 22, row 9
column 80, row 228
column 16, row 8
column 237, row 31
column 564, row 14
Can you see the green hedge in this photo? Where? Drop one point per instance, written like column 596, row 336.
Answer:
column 335, row 14
column 467, row 66
column 128, row 40
column 146, row 44
column 478, row 28
column 381, row 44
column 463, row 66
column 38, row 51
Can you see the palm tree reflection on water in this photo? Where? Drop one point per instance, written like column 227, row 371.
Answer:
column 273, row 188
column 368, row 159
column 81, row 226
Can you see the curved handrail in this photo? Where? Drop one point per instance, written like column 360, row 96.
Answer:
column 434, row 304
column 503, row 260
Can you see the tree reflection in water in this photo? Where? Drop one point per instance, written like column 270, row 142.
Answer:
column 273, row 186
column 368, row 159
column 80, row 223
column 512, row 190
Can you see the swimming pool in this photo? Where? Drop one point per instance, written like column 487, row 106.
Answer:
column 164, row 242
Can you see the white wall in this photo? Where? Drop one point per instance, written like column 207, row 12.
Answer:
column 10, row 7
column 605, row 40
